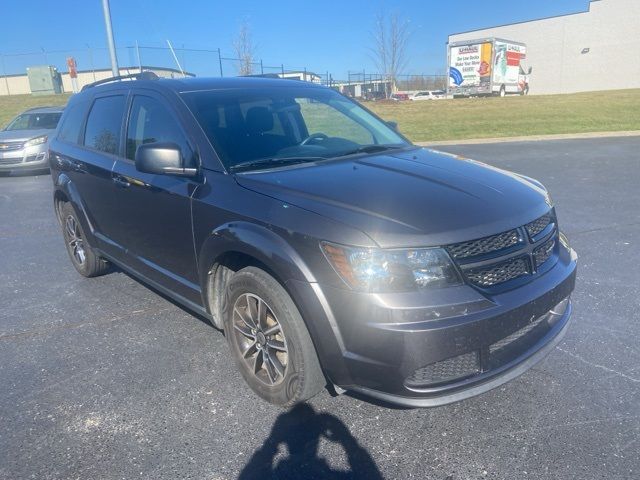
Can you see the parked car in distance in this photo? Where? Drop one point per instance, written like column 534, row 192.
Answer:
column 24, row 142
column 429, row 95
column 330, row 250
column 400, row 96
column 374, row 96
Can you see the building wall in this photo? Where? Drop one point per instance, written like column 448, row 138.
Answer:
column 611, row 32
column 19, row 84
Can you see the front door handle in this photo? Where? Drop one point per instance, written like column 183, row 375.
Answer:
column 121, row 181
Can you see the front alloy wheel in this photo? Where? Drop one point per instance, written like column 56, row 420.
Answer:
column 261, row 339
column 269, row 341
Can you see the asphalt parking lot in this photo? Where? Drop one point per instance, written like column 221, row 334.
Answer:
column 104, row 378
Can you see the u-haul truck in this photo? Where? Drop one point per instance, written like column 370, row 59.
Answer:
column 490, row 66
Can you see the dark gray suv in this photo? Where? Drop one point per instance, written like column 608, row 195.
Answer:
column 329, row 249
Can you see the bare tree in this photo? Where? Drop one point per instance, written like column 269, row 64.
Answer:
column 244, row 49
column 390, row 38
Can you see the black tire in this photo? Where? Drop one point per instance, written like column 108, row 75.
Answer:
column 83, row 257
column 301, row 376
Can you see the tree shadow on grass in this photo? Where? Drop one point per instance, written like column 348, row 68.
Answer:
column 300, row 431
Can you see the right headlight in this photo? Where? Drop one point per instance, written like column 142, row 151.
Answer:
column 391, row 270
column 36, row 141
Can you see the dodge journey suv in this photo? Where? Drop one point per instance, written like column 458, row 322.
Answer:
column 328, row 249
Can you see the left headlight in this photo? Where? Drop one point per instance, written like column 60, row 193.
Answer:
column 36, row 141
column 389, row 270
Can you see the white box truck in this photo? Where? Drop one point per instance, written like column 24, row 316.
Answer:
column 489, row 66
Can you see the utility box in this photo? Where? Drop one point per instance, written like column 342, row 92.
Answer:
column 44, row 80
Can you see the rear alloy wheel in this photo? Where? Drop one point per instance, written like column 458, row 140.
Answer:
column 269, row 340
column 82, row 256
column 74, row 240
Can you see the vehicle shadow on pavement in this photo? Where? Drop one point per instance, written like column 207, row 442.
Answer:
column 300, row 431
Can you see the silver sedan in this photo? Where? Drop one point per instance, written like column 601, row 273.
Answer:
column 24, row 143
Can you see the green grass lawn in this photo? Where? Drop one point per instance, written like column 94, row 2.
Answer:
column 11, row 105
column 469, row 118
column 514, row 116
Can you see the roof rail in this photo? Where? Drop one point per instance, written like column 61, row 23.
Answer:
column 133, row 76
column 263, row 75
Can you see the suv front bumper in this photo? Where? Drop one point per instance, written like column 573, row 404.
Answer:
column 424, row 349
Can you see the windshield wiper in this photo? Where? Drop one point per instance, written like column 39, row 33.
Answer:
column 272, row 162
column 370, row 149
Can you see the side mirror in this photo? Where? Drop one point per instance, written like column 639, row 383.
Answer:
column 393, row 125
column 162, row 158
column 530, row 70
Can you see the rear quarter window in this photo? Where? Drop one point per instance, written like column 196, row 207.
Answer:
column 102, row 132
column 71, row 126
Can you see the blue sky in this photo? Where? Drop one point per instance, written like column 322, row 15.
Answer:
column 322, row 36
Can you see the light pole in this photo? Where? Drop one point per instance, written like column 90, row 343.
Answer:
column 110, row 42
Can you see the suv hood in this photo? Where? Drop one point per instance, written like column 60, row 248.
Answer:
column 411, row 198
column 22, row 135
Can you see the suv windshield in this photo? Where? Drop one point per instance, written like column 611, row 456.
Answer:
column 34, row 121
column 260, row 128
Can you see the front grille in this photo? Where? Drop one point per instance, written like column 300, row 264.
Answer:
column 11, row 146
column 537, row 226
column 499, row 273
column 454, row 368
column 9, row 161
column 543, row 253
column 485, row 245
column 496, row 259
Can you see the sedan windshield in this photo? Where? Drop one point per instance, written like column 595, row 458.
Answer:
column 254, row 129
column 35, row 121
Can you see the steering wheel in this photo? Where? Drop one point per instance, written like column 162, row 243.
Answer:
column 312, row 137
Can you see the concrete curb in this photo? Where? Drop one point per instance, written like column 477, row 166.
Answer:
column 533, row 138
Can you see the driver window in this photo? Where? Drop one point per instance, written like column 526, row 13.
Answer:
column 322, row 118
column 150, row 122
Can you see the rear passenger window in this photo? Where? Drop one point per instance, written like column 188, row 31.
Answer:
column 150, row 122
column 72, row 123
column 103, row 125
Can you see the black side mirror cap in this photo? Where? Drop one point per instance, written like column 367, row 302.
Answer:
column 162, row 158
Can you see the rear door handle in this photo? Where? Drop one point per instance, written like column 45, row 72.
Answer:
column 121, row 181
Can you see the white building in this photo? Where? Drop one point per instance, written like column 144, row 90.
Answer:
column 19, row 84
column 301, row 75
column 594, row 50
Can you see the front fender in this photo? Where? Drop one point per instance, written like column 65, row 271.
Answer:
column 258, row 242
column 277, row 255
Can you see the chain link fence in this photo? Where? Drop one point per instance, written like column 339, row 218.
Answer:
column 206, row 62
